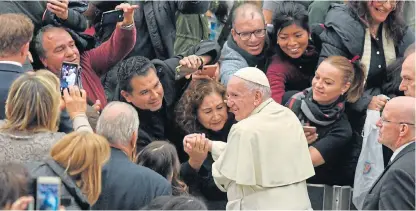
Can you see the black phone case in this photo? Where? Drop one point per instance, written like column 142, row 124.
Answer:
column 112, row 17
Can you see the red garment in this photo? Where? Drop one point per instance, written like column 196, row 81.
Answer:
column 285, row 76
column 98, row 61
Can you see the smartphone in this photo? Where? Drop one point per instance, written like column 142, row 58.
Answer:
column 309, row 129
column 111, row 17
column 182, row 71
column 69, row 75
column 48, row 193
column 209, row 70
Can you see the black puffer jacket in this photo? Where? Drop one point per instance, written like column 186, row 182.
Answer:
column 69, row 190
column 344, row 36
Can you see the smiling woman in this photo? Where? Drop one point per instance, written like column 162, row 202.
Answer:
column 336, row 81
column 202, row 110
column 297, row 50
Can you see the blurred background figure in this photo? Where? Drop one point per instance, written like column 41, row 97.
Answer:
column 162, row 157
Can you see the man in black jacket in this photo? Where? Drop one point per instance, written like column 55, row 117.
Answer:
column 125, row 185
column 151, row 87
column 395, row 188
column 15, row 35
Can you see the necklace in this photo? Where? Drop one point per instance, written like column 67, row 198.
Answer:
column 373, row 32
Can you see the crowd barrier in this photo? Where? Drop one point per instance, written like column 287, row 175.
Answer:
column 325, row 197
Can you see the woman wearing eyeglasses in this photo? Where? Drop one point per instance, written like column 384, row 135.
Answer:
column 375, row 32
column 297, row 50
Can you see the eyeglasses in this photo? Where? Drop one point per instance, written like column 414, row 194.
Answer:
column 400, row 123
column 393, row 3
column 247, row 35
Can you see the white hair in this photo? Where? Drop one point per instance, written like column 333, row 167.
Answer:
column 265, row 91
column 118, row 122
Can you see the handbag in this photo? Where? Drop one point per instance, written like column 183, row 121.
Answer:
column 370, row 163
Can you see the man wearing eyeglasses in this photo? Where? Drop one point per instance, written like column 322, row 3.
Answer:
column 395, row 188
column 246, row 45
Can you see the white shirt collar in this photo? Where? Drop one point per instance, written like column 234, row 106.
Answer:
column 11, row 62
column 398, row 150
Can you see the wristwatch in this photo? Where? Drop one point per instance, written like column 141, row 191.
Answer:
column 128, row 26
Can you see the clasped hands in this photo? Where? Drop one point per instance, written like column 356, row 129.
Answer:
column 197, row 147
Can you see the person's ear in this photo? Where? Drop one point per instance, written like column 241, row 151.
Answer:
column 134, row 139
column 24, row 50
column 126, row 96
column 404, row 129
column 258, row 98
column 345, row 88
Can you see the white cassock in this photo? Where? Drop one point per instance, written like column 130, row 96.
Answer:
column 265, row 162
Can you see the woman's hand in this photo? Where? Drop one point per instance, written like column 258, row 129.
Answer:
column 196, row 146
column 311, row 137
column 75, row 101
column 377, row 103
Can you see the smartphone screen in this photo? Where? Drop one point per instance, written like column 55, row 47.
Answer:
column 69, row 75
column 47, row 196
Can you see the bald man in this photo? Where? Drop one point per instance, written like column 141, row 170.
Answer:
column 395, row 188
column 408, row 84
column 245, row 46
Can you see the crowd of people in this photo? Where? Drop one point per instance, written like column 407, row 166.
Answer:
column 138, row 123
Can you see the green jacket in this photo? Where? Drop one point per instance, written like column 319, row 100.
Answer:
column 190, row 30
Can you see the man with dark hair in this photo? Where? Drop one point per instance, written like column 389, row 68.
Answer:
column 247, row 43
column 15, row 35
column 151, row 87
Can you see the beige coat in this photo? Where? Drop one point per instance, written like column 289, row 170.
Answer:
column 265, row 163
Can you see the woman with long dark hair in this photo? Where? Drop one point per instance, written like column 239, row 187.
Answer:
column 297, row 50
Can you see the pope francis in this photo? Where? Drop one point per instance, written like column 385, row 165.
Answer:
column 266, row 161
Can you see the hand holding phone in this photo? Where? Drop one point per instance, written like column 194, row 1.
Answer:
column 128, row 13
column 69, row 75
column 48, row 193
column 310, row 133
column 59, row 8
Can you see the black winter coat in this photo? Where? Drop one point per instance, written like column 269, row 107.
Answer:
column 344, row 36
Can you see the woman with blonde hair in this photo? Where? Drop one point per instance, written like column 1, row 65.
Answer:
column 321, row 109
column 77, row 159
column 32, row 116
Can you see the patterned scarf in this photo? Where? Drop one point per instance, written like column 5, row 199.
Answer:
column 308, row 110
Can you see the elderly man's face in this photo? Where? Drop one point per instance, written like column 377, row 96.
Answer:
column 389, row 130
column 59, row 47
column 255, row 25
column 241, row 100
column 408, row 76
